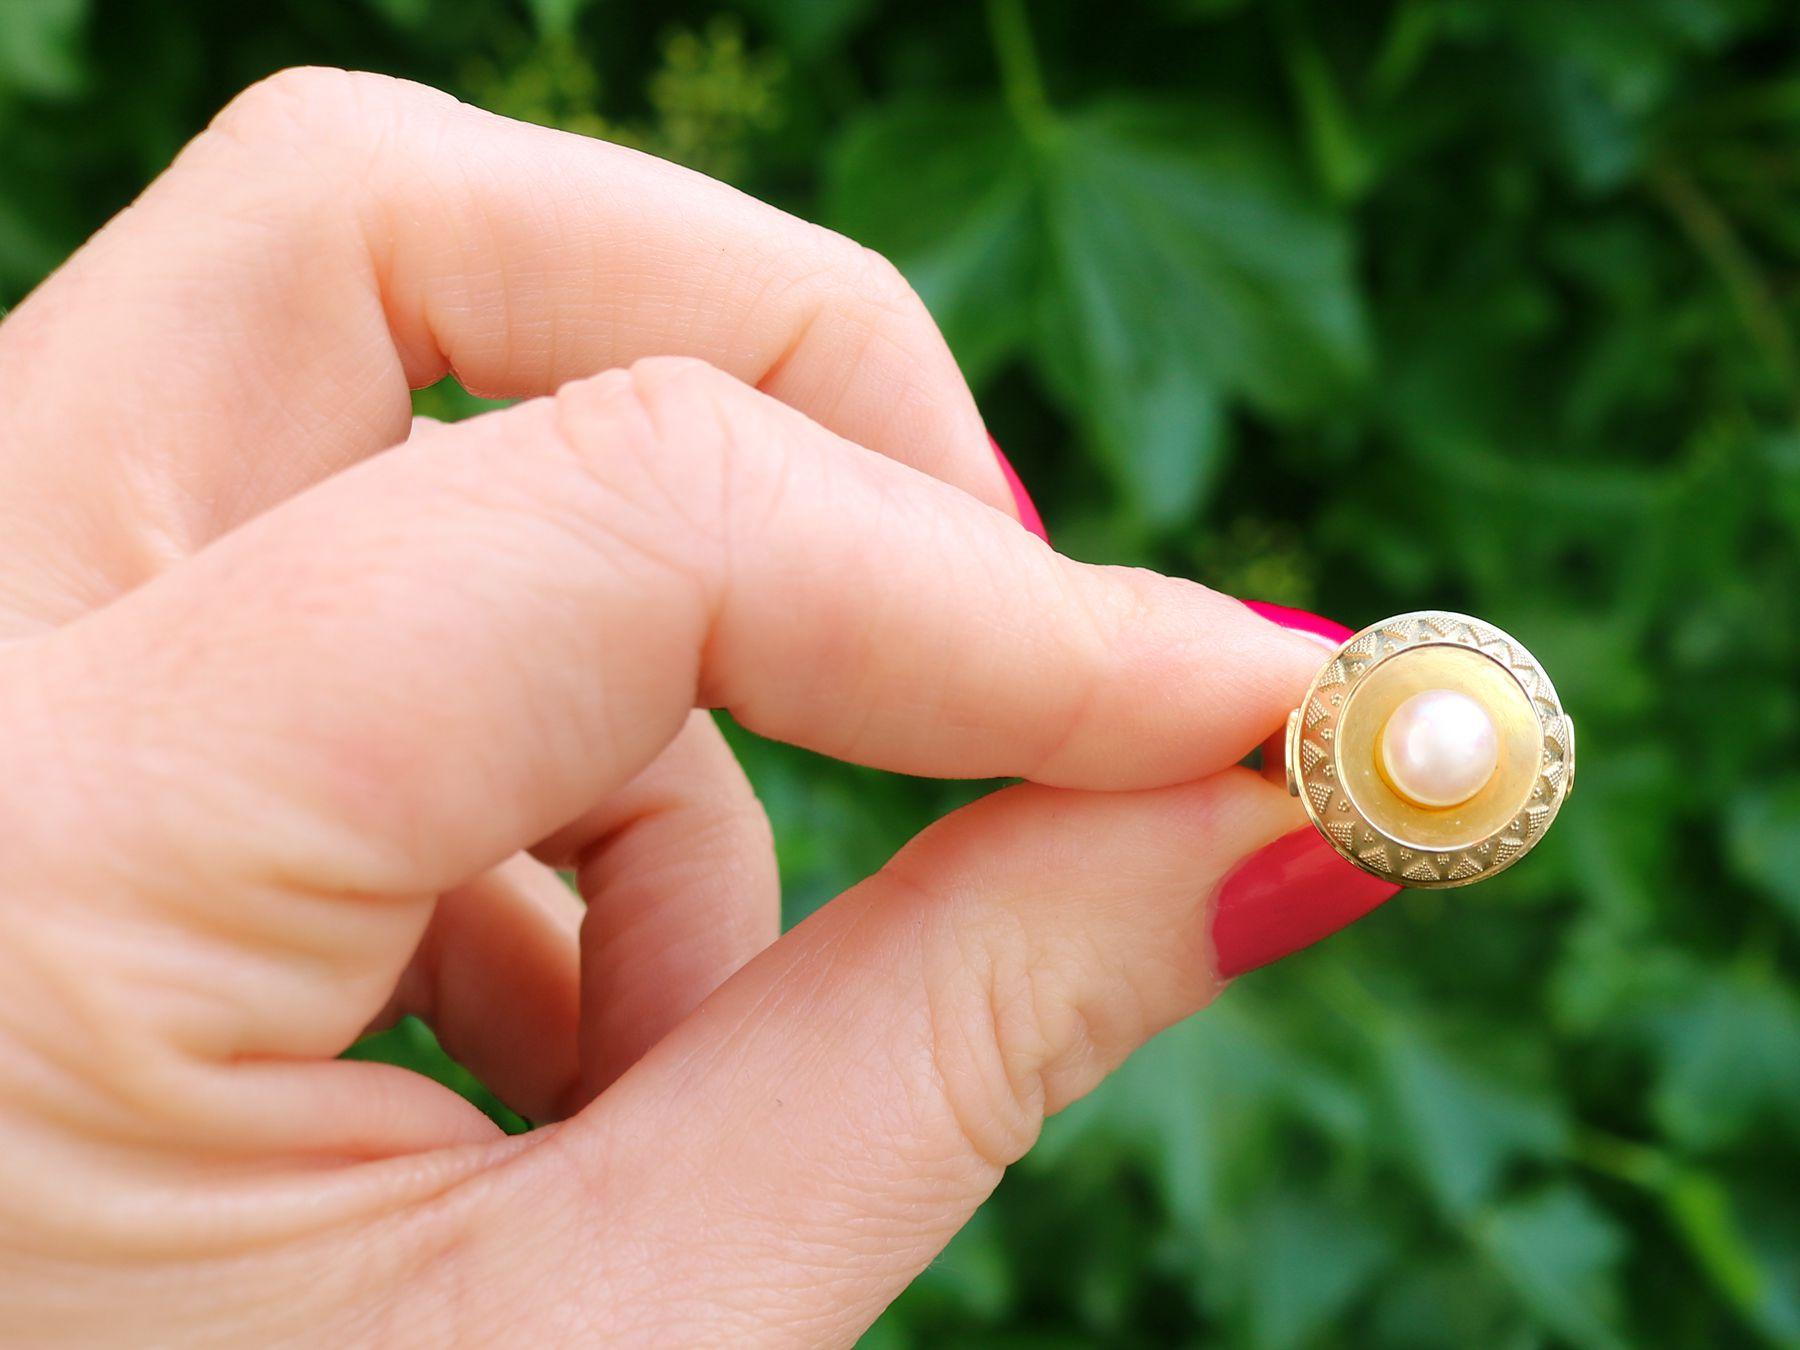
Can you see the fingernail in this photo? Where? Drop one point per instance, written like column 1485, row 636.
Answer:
column 1331, row 634
column 1320, row 630
column 1298, row 889
column 1286, row 896
column 1028, row 512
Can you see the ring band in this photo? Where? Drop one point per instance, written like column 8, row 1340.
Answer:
column 1431, row 750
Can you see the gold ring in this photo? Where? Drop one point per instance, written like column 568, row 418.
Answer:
column 1431, row 750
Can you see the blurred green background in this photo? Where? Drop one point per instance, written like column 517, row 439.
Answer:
column 1477, row 304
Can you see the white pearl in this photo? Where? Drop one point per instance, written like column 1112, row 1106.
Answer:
column 1439, row 748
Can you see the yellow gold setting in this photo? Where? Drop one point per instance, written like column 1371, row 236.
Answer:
column 1334, row 759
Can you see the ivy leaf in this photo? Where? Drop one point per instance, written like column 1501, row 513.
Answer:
column 1727, row 1061
column 1184, row 265
column 1190, row 266
column 1207, row 213
column 1465, row 1125
column 1201, row 1103
column 1743, row 1261
column 1158, row 424
column 1169, row 1105
column 945, row 192
column 1210, row 1111
column 1560, row 1252
column 1449, row 1296
column 1306, row 1258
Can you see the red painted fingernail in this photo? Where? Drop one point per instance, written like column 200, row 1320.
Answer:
column 1323, row 631
column 1298, row 889
column 1287, row 896
column 1028, row 512
column 1300, row 620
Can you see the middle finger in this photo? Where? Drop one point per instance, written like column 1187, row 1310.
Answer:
column 260, row 313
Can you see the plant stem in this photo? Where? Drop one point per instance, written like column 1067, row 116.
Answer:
column 1623, row 1159
column 1021, row 74
column 1711, row 232
column 1699, row 1210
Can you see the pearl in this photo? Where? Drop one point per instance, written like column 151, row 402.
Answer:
column 1439, row 748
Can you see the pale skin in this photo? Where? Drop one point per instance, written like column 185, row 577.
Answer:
column 301, row 706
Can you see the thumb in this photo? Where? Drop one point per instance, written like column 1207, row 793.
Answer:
column 787, row 1160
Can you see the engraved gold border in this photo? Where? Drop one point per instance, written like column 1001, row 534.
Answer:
column 1314, row 732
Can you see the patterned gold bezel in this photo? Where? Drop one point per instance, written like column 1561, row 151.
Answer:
column 1401, row 842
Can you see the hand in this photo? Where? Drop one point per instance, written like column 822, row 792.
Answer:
column 299, row 711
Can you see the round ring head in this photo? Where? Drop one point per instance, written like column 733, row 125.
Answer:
column 1431, row 750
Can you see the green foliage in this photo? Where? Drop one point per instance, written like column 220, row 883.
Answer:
column 1483, row 304
column 1763, row 834
column 40, row 47
column 1169, row 251
column 1560, row 1252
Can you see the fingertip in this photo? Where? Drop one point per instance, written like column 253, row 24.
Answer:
column 1321, row 635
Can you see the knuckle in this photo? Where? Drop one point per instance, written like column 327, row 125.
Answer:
column 1018, row 1043
column 883, row 282
column 854, row 284
column 677, row 390
column 989, row 1026
column 651, row 442
column 642, row 418
column 886, row 301
column 293, row 104
column 679, row 440
column 1027, row 1009
column 314, row 109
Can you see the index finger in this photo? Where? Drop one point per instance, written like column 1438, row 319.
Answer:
column 408, row 673
column 659, row 538
column 335, row 238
